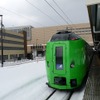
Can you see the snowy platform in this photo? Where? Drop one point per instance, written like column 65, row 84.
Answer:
column 92, row 91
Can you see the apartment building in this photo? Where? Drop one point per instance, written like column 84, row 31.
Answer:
column 14, row 45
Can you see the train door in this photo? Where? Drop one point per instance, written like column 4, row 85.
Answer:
column 59, row 58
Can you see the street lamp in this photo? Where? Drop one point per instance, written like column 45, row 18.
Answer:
column 1, row 42
column 36, row 46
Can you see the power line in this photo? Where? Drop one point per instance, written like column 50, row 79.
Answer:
column 18, row 14
column 56, row 11
column 41, row 11
column 62, row 11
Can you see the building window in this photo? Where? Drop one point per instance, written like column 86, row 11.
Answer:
column 12, row 56
column 12, row 35
column 12, row 42
column 5, row 57
column 12, row 48
column 21, row 55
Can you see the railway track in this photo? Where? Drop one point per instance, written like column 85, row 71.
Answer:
column 50, row 95
column 65, row 96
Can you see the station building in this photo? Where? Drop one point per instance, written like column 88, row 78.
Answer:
column 40, row 36
column 27, row 29
column 19, row 29
column 14, row 45
column 33, row 43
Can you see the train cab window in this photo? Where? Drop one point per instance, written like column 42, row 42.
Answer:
column 59, row 37
column 73, row 37
column 64, row 36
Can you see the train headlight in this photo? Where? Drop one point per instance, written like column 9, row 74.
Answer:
column 72, row 65
column 59, row 66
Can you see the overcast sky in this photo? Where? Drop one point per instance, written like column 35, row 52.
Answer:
column 39, row 14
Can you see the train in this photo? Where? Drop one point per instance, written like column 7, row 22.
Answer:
column 68, row 58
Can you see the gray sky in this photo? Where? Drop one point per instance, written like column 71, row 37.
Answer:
column 21, row 13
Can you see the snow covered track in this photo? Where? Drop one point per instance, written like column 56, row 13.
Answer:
column 70, row 95
column 50, row 95
column 67, row 95
column 26, row 88
column 28, row 82
column 59, row 95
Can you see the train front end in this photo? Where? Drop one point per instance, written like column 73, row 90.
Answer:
column 66, row 63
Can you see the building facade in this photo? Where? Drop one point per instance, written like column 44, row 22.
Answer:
column 14, row 45
column 19, row 29
column 40, row 36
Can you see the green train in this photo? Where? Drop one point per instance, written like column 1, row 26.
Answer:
column 67, row 60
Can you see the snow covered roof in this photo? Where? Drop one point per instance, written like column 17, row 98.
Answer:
column 91, row 2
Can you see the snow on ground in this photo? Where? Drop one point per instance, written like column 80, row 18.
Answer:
column 17, row 77
column 25, row 82
column 78, row 95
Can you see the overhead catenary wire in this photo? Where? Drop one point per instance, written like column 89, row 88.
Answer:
column 42, row 11
column 13, row 12
column 64, row 13
column 56, row 12
column 21, row 15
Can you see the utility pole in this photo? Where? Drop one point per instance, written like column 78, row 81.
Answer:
column 36, row 46
column 1, row 41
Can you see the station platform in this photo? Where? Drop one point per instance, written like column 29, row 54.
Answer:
column 92, row 90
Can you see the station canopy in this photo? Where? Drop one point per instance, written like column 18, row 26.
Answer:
column 92, row 2
column 94, row 16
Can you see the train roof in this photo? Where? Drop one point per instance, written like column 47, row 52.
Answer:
column 63, row 32
column 64, row 35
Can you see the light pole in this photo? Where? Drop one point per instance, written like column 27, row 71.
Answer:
column 1, row 42
column 36, row 46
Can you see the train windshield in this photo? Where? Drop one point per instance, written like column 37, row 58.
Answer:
column 64, row 37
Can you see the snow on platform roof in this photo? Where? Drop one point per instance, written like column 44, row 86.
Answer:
column 91, row 2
